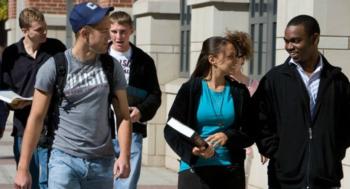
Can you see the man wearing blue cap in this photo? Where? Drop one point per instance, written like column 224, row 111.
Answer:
column 82, row 152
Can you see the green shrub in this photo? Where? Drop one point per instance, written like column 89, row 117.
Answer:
column 3, row 10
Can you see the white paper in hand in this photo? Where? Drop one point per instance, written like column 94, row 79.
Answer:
column 11, row 97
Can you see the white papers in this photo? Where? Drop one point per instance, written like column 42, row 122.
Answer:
column 11, row 97
column 181, row 128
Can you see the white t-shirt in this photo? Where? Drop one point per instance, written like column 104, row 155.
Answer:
column 124, row 59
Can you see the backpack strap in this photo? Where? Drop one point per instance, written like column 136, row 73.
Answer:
column 108, row 68
column 61, row 74
column 52, row 117
column 57, row 92
column 61, row 64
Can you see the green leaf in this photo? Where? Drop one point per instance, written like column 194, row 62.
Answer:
column 3, row 10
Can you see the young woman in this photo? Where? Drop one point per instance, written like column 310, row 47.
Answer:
column 216, row 108
column 243, row 42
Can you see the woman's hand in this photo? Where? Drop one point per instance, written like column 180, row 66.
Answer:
column 204, row 152
column 263, row 159
column 217, row 139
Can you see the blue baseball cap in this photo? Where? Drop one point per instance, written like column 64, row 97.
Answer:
column 87, row 13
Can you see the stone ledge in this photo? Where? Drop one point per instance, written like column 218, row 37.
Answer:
column 155, row 48
column 156, row 6
column 55, row 20
column 10, row 23
column 326, row 42
column 174, row 86
column 199, row 2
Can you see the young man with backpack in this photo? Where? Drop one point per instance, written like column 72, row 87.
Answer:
column 20, row 64
column 144, row 95
column 82, row 153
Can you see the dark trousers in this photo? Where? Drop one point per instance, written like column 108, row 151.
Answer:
column 212, row 177
column 274, row 183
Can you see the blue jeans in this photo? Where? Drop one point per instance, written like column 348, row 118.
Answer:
column 43, row 155
column 34, row 163
column 68, row 172
column 135, row 163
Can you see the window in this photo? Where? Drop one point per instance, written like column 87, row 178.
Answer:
column 263, row 32
column 185, row 18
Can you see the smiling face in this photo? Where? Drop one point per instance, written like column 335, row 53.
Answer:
column 120, row 34
column 300, row 46
column 226, row 60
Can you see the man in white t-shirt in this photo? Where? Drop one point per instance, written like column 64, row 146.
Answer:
column 144, row 95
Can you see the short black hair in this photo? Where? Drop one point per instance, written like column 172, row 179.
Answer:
column 310, row 24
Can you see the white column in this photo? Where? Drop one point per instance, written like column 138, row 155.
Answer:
column 215, row 17
column 158, row 34
column 20, row 6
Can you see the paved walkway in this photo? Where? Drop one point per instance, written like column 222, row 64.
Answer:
column 151, row 177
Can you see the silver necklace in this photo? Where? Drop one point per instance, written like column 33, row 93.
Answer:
column 218, row 115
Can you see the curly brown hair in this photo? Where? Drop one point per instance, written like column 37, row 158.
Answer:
column 242, row 42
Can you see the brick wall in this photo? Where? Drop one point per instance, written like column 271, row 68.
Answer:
column 116, row 3
column 12, row 8
column 48, row 6
column 59, row 6
column 80, row 1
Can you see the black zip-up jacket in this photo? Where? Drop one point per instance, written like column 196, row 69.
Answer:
column 184, row 109
column 143, row 75
column 303, row 151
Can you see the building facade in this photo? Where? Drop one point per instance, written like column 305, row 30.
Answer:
column 55, row 12
column 172, row 32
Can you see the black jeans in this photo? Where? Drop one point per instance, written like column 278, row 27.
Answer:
column 212, row 177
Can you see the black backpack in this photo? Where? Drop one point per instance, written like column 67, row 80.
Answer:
column 52, row 118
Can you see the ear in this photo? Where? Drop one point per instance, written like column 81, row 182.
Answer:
column 241, row 60
column 84, row 32
column 316, row 38
column 132, row 30
column 211, row 59
column 24, row 30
